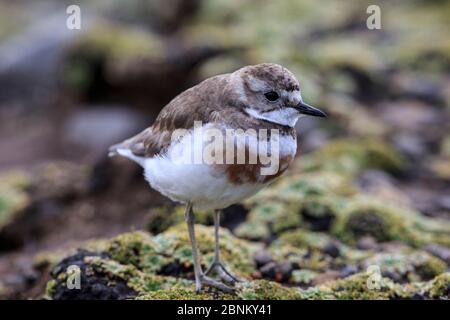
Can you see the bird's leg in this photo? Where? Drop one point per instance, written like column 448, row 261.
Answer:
column 200, row 277
column 189, row 216
column 217, row 265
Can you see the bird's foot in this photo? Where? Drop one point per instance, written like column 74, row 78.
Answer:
column 204, row 279
column 223, row 273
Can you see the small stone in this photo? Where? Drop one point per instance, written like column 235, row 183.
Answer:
column 332, row 249
column 439, row 251
column 367, row 243
column 348, row 270
column 269, row 270
column 284, row 271
column 326, row 276
column 262, row 258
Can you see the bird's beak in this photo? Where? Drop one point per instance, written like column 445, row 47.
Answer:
column 304, row 108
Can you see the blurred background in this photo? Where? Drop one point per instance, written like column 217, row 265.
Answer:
column 66, row 95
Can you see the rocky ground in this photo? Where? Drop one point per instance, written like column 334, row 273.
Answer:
column 362, row 214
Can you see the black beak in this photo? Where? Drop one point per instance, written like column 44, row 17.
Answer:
column 309, row 110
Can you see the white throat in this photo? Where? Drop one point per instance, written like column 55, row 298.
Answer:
column 285, row 116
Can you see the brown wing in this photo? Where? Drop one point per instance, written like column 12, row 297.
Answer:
column 200, row 103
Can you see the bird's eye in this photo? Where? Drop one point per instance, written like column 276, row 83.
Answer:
column 271, row 96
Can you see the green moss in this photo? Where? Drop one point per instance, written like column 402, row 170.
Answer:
column 267, row 290
column 112, row 46
column 407, row 266
column 439, row 287
column 253, row 230
column 163, row 218
column 345, row 52
column 295, row 187
column 354, row 287
column 128, row 248
column 350, row 156
column 176, row 294
column 302, row 238
column 269, row 218
column 119, row 42
column 368, row 217
column 13, row 196
column 172, row 247
column 50, row 288
column 236, row 253
column 304, row 276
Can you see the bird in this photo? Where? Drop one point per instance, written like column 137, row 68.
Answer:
column 264, row 97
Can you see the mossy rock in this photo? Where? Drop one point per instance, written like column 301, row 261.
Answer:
column 269, row 218
column 407, row 267
column 298, row 186
column 270, row 215
column 184, row 294
column 439, row 287
column 302, row 238
column 351, row 156
column 111, row 45
column 315, row 251
column 304, row 276
column 137, row 264
column 169, row 253
column 267, row 290
column 254, row 290
column 368, row 217
column 75, row 277
column 354, row 287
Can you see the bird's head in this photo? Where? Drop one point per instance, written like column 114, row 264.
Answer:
column 270, row 92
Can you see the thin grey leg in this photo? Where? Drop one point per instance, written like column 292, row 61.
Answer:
column 217, row 265
column 189, row 216
column 200, row 278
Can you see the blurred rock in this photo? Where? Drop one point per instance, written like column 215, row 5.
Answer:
column 439, row 251
column 367, row 243
column 29, row 60
column 96, row 127
column 411, row 145
column 262, row 258
column 332, row 249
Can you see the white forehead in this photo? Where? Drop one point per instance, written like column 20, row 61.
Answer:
column 294, row 97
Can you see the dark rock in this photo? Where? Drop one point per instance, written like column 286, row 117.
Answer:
column 94, row 285
column 233, row 216
column 269, row 270
column 367, row 224
column 332, row 249
column 280, row 272
column 177, row 269
column 262, row 258
column 284, row 271
column 318, row 222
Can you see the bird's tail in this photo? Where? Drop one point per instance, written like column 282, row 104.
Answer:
column 113, row 150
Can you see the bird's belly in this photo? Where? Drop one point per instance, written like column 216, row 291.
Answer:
column 212, row 185
column 201, row 184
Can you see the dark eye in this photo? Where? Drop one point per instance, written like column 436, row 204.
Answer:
column 271, row 96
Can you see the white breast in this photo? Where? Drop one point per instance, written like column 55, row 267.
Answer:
column 177, row 177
